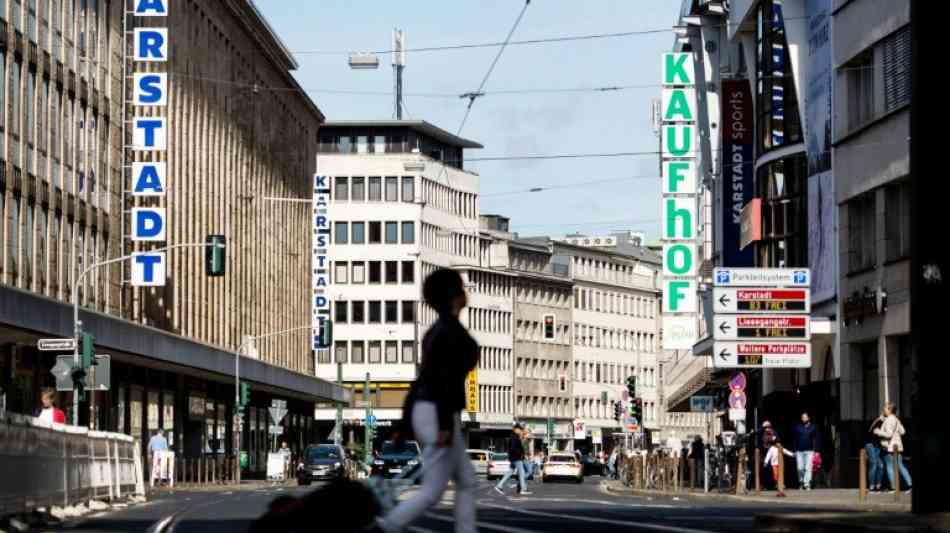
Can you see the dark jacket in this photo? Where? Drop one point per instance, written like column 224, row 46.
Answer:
column 806, row 438
column 515, row 449
column 697, row 451
column 449, row 353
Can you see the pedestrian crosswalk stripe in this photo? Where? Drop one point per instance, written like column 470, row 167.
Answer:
column 484, row 525
column 596, row 520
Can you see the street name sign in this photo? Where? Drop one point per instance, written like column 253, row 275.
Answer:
column 761, row 327
column 762, row 354
column 275, row 430
column 701, row 404
column 56, row 345
column 762, row 277
column 761, row 300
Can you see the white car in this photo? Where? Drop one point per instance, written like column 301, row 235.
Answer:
column 498, row 465
column 479, row 460
column 562, row 466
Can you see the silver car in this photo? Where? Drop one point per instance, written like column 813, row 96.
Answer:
column 479, row 460
column 498, row 466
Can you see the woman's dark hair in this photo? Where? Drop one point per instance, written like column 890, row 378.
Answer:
column 441, row 288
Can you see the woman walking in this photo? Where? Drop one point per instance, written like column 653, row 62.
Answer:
column 891, row 431
column 872, row 449
column 433, row 407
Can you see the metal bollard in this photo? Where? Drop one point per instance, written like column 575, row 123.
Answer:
column 758, row 471
column 780, row 483
column 740, row 472
column 694, row 465
column 863, row 475
column 896, row 458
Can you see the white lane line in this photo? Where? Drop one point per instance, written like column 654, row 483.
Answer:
column 596, row 502
column 595, row 520
column 415, row 529
column 484, row 525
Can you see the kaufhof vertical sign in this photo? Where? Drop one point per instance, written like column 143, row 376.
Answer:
column 320, row 279
column 149, row 139
column 679, row 207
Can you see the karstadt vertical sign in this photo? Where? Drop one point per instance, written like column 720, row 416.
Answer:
column 320, row 278
column 679, row 208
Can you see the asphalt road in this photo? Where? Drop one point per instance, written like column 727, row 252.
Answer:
column 561, row 508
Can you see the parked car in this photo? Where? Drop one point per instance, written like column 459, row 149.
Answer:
column 562, row 466
column 499, row 464
column 397, row 459
column 479, row 460
column 322, row 461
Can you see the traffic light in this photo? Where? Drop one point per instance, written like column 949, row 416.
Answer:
column 549, row 327
column 636, row 407
column 214, row 255
column 618, row 411
column 88, row 353
column 245, row 394
column 632, row 386
column 325, row 333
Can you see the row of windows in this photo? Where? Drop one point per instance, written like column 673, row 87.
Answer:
column 379, row 232
column 542, row 406
column 374, row 189
column 862, row 226
column 371, row 352
column 540, row 294
column 607, row 271
column 444, row 198
column 595, row 408
column 449, row 242
column 494, row 399
column 533, row 330
column 374, row 312
column 603, row 373
column 611, row 339
column 614, row 302
column 531, row 367
column 45, row 19
column 494, row 358
column 360, row 272
column 488, row 320
column 490, row 284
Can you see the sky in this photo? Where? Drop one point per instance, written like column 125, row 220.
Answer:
column 508, row 124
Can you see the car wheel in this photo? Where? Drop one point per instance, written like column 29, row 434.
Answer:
column 303, row 482
column 544, row 480
column 580, row 480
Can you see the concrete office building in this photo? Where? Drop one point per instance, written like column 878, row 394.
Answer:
column 402, row 206
column 61, row 207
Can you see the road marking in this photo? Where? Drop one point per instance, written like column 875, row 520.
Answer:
column 484, row 525
column 595, row 520
column 416, row 529
column 595, row 502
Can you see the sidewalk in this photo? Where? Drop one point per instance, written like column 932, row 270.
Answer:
column 837, row 499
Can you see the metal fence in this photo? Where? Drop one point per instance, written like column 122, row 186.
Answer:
column 47, row 465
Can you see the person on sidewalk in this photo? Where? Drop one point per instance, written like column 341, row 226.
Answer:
column 806, row 443
column 432, row 410
column 49, row 412
column 516, row 456
column 612, row 464
column 766, row 435
column 891, row 431
column 772, row 460
column 697, row 454
column 872, row 450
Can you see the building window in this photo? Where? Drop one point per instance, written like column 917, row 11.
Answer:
column 375, row 352
column 392, row 352
column 375, row 189
column 782, row 186
column 392, row 233
column 408, row 311
column 375, row 272
column 897, row 210
column 859, row 74
column 392, row 189
column 359, row 232
column 408, row 189
column 339, row 274
column 359, row 312
column 375, row 232
column 861, row 232
column 408, row 272
column 379, row 144
column 408, row 233
column 392, row 274
column 375, row 312
column 359, row 272
column 340, row 312
column 392, row 311
column 408, row 352
column 340, row 350
column 356, row 352
column 358, row 192
column 341, row 189
column 362, row 144
column 896, row 58
column 341, row 234
column 779, row 122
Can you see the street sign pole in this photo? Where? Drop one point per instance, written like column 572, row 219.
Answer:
column 338, row 434
column 367, row 438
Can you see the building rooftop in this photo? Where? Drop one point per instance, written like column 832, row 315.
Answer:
column 419, row 126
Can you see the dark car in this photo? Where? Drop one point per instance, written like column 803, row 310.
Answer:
column 592, row 465
column 397, row 459
column 322, row 461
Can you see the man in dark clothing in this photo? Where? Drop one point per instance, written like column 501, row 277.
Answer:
column 516, row 456
column 697, row 454
column 433, row 407
column 806, row 443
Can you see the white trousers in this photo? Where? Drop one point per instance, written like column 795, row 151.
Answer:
column 440, row 465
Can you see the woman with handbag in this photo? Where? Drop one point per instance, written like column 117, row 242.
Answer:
column 891, row 431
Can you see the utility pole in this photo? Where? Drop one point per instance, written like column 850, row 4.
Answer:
column 368, row 434
column 338, row 433
column 399, row 63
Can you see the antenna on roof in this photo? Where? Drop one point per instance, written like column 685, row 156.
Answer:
column 399, row 63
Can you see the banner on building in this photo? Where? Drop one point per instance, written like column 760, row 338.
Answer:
column 471, row 391
column 320, row 277
column 738, row 173
column 822, row 212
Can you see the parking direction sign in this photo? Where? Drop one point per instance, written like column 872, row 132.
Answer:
column 761, row 327
column 762, row 277
column 762, row 354
column 761, row 300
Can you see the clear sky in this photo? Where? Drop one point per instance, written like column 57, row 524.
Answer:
column 508, row 124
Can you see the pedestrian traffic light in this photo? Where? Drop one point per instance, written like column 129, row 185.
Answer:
column 245, row 394
column 636, row 408
column 214, row 255
column 325, row 333
column 618, row 411
column 88, row 353
column 632, row 386
column 549, row 327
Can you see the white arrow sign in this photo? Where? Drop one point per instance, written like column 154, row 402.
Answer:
column 761, row 300
column 762, row 355
column 761, row 327
column 56, row 345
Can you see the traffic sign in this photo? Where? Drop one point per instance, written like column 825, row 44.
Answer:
column 762, row 355
column 98, row 376
column 701, row 404
column 737, row 382
column 737, row 399
column 56, row 345
column 62, row 371
column 276, row 430
column 761, row 300
column 762, row 277
column 277, row 414
column 371, row 420
column 761, row 327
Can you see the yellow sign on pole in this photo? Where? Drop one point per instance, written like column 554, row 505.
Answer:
column 471, row 391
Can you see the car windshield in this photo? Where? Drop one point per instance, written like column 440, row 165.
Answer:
column 476, row 456
column 323, row 452
column 404, row 448
column 561, row 459
column 500, row 457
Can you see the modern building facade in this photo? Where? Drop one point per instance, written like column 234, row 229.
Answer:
column 402, row 205
column 232, row 142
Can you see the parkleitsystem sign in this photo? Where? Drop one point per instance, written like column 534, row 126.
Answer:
column 679, row 202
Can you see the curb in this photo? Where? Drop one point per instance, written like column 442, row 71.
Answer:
column 869, row 507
